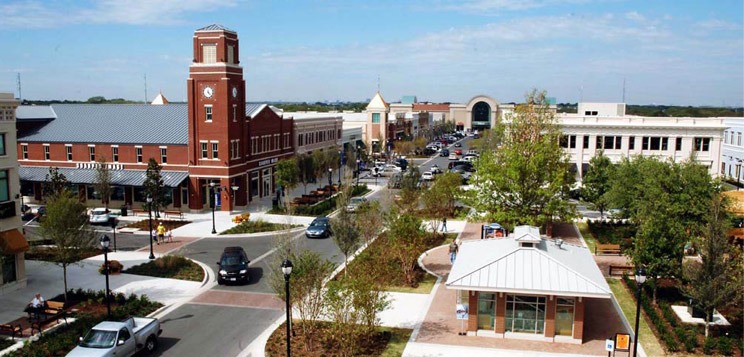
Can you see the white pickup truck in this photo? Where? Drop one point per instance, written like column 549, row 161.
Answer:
column 109, row 338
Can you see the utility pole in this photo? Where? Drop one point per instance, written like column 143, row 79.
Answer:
column 20, row 96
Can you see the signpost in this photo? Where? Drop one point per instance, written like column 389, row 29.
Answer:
column 609, row 346
column 461, row 311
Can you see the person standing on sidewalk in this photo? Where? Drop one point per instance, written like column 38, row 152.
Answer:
column 453, row 249
column 154, row 236
column 161, row 232
column 444, row 224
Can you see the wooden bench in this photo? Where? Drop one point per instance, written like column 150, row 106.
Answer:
column 177, row 214
column 607, row 249
column 620, row 269
column 53, row 310
column 137, row 211
column 11, row 330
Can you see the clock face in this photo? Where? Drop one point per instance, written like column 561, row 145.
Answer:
column 208, row 92
column 235, row 92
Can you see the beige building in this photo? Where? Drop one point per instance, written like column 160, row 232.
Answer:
column 12, row 242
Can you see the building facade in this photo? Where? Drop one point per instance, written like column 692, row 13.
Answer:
column 216, row 148
column 732, row 152
column 12, row 242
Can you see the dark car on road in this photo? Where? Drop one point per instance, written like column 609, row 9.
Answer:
column 233, row 266
column 319, row 228
column 444, row 153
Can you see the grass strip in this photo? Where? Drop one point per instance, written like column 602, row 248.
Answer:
column 647, row 339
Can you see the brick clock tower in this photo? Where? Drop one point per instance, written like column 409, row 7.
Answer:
column 217, row 125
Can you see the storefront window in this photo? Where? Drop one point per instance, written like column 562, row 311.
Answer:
column 7, row 268
column 117, row 193
column 525, row 314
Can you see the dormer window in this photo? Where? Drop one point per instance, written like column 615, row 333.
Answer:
column 527, row 245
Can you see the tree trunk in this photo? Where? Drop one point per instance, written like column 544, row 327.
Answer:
column 64, row 278
column 656, row 288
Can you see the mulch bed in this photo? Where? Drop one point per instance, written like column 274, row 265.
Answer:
column 145, row 224
column 44, row 254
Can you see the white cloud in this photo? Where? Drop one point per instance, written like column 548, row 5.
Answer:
column 635, row 16
column 491, row 6
column 36, row 14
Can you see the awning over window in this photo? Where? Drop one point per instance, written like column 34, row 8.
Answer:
column 12, row 242
column 88, row 176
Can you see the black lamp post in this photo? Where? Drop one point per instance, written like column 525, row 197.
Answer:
column 114, row 222
column 330, row 183
column 640, row 277
column 149, row 217
column 340, row 165
column 287, row 270
column 105, row 244
column 213, row 203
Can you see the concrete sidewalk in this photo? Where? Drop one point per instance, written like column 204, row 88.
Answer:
column 418, row 349
column 46, row 278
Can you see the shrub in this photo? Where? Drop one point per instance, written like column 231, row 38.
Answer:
column 169, row 266
column 709, row 346
column 724, row 346
column 115, row 267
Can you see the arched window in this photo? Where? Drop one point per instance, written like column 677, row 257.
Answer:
column 481, row 116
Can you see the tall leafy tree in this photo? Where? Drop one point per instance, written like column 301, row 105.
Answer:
column 155, row 186
column 715, row 280
column 102, row 183
column 406, row 239
column 439, row 200
column 66, row 224
column 346, row 234
column 320, row 166
column 597, row 182
column 370, row 211
column 306, row 168
column 287, row 176
column 527, row 180
column 54, row 183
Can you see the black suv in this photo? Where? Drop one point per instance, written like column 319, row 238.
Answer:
column 233, row 266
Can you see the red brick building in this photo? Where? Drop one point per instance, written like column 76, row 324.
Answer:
column 214, row 138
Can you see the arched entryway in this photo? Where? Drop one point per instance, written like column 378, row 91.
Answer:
column 481, row 116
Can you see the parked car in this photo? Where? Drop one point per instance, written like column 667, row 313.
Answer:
column 233, row 266
column 444, row 153
column 430, row 150
column 472, row 153
column 427, row 176
column 453, row 156
column 354, row 203
column 458, row 152
column 435, row 169
column 319, row 228
column 469, row 158
column 99, row 216
column 110, row 338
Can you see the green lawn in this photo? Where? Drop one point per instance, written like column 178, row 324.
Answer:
column 591, row 242
column 648, row 340
column 424, row 286
column 398, row 341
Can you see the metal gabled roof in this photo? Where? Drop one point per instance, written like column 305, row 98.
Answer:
column 215, row 27
column 35, row 112
column 252, row 109
column 114, row 124
column 502, row 266
column 88, row 176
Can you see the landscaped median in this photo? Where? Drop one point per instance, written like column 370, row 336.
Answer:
column 258, row 226
column 170, row 266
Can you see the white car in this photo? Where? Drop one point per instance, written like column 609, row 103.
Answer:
column 392, row 168
column 453, row 157
column 470, row 158
column 99, row 216
column 427, row 176
column 435, row 169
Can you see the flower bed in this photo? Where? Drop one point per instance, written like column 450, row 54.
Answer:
column 169, row 266
column 257, row 226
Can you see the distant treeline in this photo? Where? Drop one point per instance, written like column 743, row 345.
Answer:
column 91, row 100
column 667, row 111
column 320, row 107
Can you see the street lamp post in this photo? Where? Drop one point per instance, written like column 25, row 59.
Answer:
column 358, row 170
column 340, row 165
column 213, row 203
column 149, row 217
column 287, row 270
column 330, row 183
column 105, row 244
column 234, row 191
column 640, row 277
column 114, row 222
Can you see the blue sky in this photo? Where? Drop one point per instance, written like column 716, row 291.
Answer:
column 668, row 52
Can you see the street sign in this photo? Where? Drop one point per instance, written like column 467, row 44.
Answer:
column 461, row 311
column 609, row 345
column 622, row 342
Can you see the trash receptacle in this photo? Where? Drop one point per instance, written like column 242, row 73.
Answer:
column 123, row 211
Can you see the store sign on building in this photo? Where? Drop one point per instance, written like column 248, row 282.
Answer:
column 267, row 162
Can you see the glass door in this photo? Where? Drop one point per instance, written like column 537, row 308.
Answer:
column 486, row 311
column 564, row 316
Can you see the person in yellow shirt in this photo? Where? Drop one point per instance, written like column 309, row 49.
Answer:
column 161, row 232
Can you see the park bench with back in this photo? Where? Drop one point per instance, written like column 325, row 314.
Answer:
column 607, row 249
column 53, row 310
column 11, row 330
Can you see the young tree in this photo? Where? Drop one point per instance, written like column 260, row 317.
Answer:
column 527, row 180
column 154, row 186
column 66, row 224
column 54, row 183
column 309, row 273
column 410, row 189
column 367, row 216
column 345, row 233
column 102, row 183
column 597, row 182
column 320, row 166
column 439, row 200
column 306, row 168
column 287, row 176
column 406, row 238
column 715, row 280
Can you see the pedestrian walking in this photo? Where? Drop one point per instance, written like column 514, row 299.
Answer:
column 444, row 224
column 161, row 232
column 453, row 249
column 154, row 236
column 169, row 235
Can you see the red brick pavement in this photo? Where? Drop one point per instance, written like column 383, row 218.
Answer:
column 165, row 248
column 440, row 325
column 239, row 299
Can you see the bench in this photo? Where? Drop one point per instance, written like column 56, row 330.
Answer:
column 53, row 310
column 607, row 249
column 11, row 330
column 620, row 269
column 177, row 214
column 137, row 211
